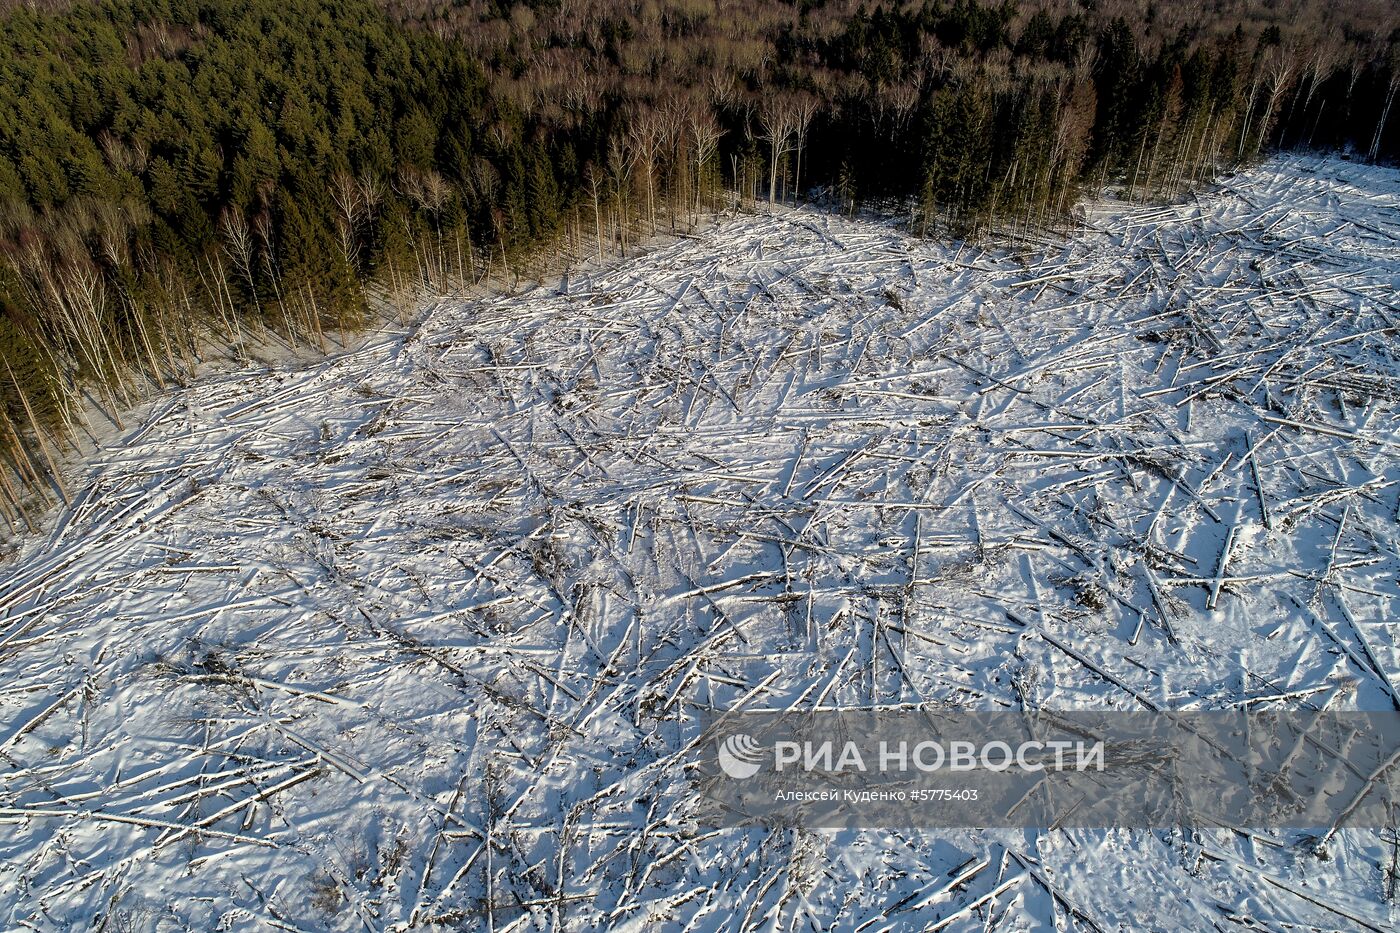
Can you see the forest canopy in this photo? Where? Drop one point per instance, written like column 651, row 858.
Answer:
column 180, row 178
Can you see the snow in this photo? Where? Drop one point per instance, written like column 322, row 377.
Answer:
column 420, row 634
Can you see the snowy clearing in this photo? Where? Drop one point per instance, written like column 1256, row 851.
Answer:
column 419, row 634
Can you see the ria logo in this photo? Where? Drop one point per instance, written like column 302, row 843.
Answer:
column 740, row 756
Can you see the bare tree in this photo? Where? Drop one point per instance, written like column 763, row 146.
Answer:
column 673, row 142
column 622, row 159
column 705, row 134
column 238, row 245
column 350, row 213
column 1394, row 83
column 594, row 180
column 777, row 123
column 431, row 192
column 371, row 193
column 644, row 136
column 1074, row 123
column 55, row 473
column 805, row 109
column 1278, row 74
column 1321, row 63
column 262, row 228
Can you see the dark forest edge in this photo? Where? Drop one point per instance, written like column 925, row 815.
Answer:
column 181, row 178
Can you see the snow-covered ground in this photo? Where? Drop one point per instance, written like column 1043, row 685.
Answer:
column 419, row 635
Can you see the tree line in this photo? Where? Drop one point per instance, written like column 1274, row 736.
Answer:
column 182, row 179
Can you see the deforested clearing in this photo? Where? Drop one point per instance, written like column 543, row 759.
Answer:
column 418, row 635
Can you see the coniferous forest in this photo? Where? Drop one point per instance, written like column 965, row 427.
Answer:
column 182, row 180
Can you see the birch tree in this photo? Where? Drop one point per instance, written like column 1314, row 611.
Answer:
column 805, row 108
column 705, row 134
column 777, row 126
column 1391, row 87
